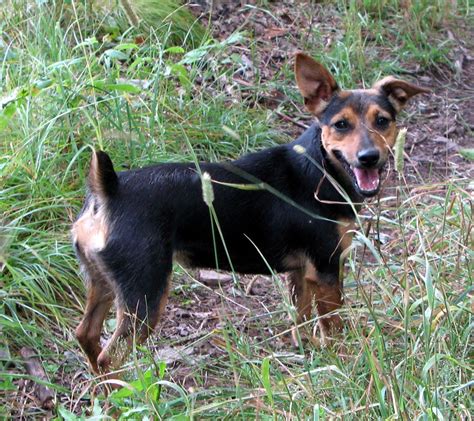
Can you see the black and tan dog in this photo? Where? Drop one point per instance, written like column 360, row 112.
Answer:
column 134, row 223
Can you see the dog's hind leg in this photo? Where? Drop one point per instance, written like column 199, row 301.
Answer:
column 138, row 311
column 99, row 300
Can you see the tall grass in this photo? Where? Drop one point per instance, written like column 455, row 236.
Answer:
column 74, row 82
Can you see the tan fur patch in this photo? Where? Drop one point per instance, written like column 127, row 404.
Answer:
column 344, row 94
column 163, row 302
column 347, row 143
column 310, row 273
column 344, row 229
column 383, row 139
column 99, row 301
column 347, row 113
column 90, row 231
column 374, row 111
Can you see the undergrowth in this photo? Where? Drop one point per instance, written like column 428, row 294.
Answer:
column 78, row 81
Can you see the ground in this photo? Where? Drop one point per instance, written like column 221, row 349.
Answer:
column 216, row 340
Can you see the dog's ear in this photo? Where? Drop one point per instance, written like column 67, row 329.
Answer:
column 398, row 91
column 314, row 82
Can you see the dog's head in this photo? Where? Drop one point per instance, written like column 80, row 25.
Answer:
column 357, row 127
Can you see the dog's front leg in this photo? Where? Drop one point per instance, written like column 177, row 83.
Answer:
column 308, row 286
column 328, row 294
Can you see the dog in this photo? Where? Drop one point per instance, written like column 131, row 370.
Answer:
column 290, row 208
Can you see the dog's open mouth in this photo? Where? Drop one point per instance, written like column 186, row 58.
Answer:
column 366, row 180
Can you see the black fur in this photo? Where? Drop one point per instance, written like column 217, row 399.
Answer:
column 156, row 211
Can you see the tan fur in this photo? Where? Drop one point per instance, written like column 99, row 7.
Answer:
column 349, row 143
column 99, row 300
column 90, row 231
column 310, row 273
column 295, row 261
column 383, row 139
column 130, row 328
column 306, row 289
column 374, row 111
column 345, row 229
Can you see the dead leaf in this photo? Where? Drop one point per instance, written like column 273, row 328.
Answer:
column 274, row 32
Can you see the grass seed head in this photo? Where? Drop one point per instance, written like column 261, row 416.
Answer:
column 299, row 149
column 399, row 148
column 207, row 190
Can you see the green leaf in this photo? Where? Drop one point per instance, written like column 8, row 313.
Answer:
column 43, row 83
column 175, row 50
column 182, row 73
column 119, row 87
column 234, row 38
column 9, row 110
column 195, row 55
column 467, row 153
column 126, row 46
column 266, row 379
column 67, row 415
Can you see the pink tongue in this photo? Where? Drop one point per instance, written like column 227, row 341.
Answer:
column 367, row 180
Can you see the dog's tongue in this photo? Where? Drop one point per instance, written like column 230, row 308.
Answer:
column 367, row 179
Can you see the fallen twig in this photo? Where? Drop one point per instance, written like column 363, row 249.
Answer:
column 291, row 120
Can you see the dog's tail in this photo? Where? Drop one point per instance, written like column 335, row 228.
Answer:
column 102, row 179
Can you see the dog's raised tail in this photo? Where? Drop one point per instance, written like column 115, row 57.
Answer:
column 102, row 179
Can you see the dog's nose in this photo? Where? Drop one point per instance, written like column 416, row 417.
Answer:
column 368, row 157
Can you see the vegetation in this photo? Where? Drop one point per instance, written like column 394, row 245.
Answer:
column 80, row 81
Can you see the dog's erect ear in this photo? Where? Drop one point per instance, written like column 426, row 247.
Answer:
column 314, row 82
column 398, row 91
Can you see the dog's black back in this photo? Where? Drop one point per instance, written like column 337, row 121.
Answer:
column 260, row 229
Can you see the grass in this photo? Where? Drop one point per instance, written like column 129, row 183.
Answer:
column 66, row 88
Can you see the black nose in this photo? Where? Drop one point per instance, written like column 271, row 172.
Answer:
column 368, row 157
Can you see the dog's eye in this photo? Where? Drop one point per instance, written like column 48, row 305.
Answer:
column 341, row 125
column 382, row 122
